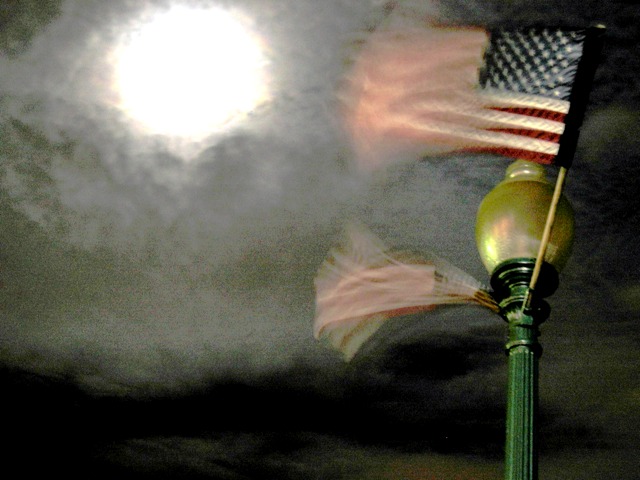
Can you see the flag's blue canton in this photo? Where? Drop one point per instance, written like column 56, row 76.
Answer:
column 540, row 61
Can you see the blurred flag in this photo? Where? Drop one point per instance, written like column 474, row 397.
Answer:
column 364, row 284
column 435, row 90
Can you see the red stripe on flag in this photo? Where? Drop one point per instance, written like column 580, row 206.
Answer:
column 399, row 312
column 517, row 153
column 533, row 112
column 538, row 134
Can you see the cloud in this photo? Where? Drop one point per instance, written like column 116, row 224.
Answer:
column 22, row 21
column 112, row 188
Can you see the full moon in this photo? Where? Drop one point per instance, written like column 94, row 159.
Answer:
column 190, row 72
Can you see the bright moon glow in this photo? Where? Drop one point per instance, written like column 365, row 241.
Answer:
column 190, row 72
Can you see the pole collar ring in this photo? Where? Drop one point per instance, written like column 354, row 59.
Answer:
column 532, row 343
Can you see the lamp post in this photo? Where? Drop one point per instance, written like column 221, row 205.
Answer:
column 509, row 229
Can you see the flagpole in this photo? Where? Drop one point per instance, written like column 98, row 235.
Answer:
column 546, row 236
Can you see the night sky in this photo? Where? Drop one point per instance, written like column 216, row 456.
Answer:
column 157, row 292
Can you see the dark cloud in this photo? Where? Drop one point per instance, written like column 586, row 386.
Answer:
column 21, row 21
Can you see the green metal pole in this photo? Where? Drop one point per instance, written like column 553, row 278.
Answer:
column 510, row 282
column 521, row 448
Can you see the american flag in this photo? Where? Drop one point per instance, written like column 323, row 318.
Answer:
column 528, row 78
column 442, row 90
column 363, row 284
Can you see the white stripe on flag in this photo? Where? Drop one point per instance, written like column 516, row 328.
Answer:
column 486, row 138
column 503, row 98
column 488, row 118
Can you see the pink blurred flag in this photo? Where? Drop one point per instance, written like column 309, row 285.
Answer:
column 415, row 92
column 361, row 286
